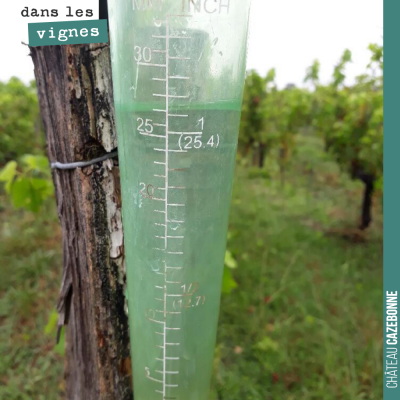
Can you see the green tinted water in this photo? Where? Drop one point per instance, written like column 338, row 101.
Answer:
column 191, row 268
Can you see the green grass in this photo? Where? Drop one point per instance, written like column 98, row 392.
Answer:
column 31, row 265
column 306, row 319
column 304, row 322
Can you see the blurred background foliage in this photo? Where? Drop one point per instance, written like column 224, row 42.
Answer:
column 348, row 118
column 301, row 307
column 20, row 124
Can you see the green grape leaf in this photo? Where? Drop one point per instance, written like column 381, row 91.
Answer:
column 228, row 283
column 20, row 192
column 7, row 174
column 51, row 326
column 230, row 262
column 23, row 194
column 38, row 163
column 44, row 187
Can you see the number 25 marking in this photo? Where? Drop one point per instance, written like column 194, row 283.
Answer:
column 148, row 127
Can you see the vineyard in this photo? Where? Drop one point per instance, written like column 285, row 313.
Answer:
column 348, row 118
column 300, row 313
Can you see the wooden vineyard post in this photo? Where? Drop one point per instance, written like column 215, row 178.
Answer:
column 75, row 95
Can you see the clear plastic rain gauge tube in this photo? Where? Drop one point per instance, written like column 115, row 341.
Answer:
column 178, row 74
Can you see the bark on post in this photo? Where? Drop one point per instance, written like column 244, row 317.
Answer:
column 75, row 95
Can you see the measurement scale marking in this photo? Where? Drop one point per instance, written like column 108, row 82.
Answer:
column 184, row 133
column 170, row 37
column 157, row 322
column 152, row 65
column 173, row 96
column 164, row 388
column 153, row 379
column 170, row 237
column 179, row 77
column 169, row 312
column 179, row 58
column 166, row 397
column 168, row 372
column 152, row 135
column 169, row 151
column 164, row 188
column 178, row 115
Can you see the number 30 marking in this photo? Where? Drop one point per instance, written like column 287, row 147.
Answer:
column 142, row 54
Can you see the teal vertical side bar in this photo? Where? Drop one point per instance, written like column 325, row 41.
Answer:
column 391, row 273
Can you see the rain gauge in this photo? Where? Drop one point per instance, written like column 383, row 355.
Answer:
column 178, row 75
